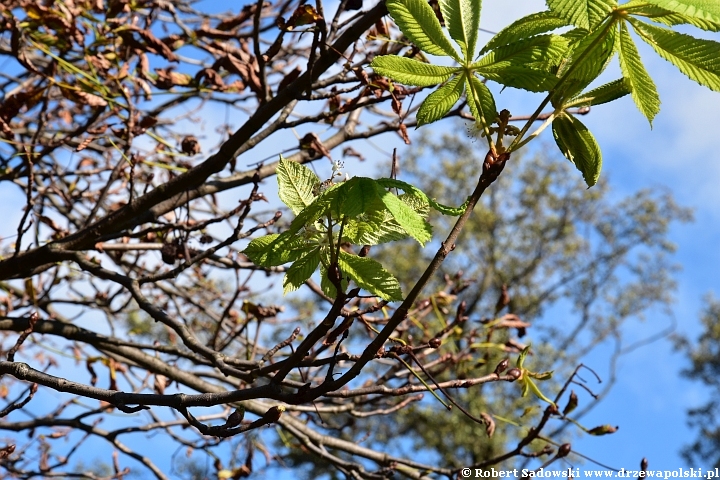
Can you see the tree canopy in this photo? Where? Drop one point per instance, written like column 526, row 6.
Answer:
column 144, row 138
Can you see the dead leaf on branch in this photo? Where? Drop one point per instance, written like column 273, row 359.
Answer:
column 153, row 44
column 311, row 142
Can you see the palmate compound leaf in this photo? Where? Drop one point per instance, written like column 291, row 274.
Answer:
column 696, row 58
column 301, row 270
column 602, row 94
column 644, row 92
column 462, row 19
column 410, row 71
column 586, row 14
column 701, row 9
column 439, row 103
column 273, row 250
column 370, row 275
column 295, row 185
column 579, row 146
column 418, row 22
column 529, row 26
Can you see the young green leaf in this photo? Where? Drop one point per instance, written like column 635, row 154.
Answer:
column 301, row 270
column 410, row 71
column 409, row 219
column 377, row 225
column 535, row 390
column 418, row 22
column 370, row 275
column 295, row 184
column 696, row 58
column 277, row 251
column 585, row 14
column 264, row 251
column 416, row 192
column 462, row 18
column 439, row 103
column 521, row 358
column 535, row 51
column 480, row 100
column 644, row 92
column 356, row 196
column 579, row 146
column 529, row 26
column 602, row 94
column 701, row 9
column 516, row 76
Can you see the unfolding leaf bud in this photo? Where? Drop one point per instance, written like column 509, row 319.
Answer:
column 603, row 430
column 274, row 413
column 235, row 418
column 564, row 450
column 572, row 403
column 502, row 366
column 514, row 373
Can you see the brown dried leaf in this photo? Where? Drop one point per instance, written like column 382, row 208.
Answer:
column 245, row 14
column 402, row 131
column 396, row 105
column 167, row 78
column 89, row 99
column 351, row 152
column 83, row 145
column 6, row 451
column 303, row 15
column 214, row 79
column 190, row 145
column 159, row 384
column 312, row 143
column 155, row 45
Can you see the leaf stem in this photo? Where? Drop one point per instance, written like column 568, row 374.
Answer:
column 483, row 122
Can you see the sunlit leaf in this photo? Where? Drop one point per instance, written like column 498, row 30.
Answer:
column 410, row 71
column 585, row 14
column 579, row 146
column 295, row 184
column 439, row 103
column 370, row 275
column 643, row 89
column 462, row 19
column 301, row 270
column 418, row 22
column 528, row 26
column 696, row 58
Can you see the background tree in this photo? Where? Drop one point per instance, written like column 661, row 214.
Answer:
column 127, row 257
column 704, row 367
